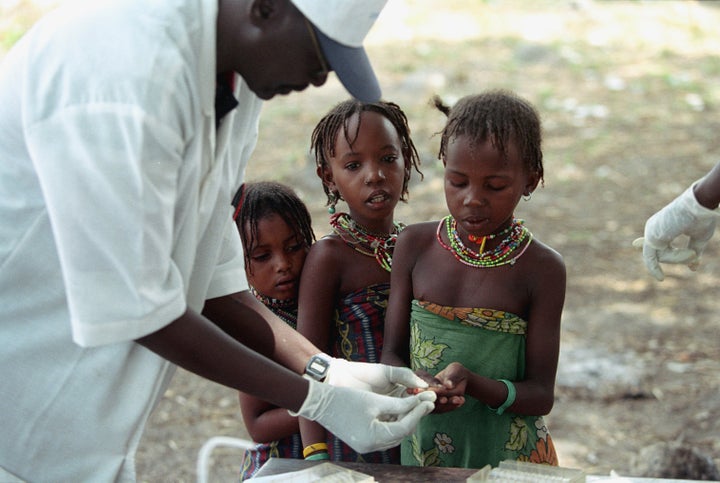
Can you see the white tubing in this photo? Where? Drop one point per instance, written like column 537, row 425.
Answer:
column 210, row 445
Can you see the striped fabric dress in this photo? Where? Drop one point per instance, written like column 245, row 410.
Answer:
column 358, row 336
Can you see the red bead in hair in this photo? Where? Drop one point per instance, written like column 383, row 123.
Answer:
column 238, row 200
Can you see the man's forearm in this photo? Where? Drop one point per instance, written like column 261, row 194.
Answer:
column 707, row 190
column 244, row 318
column 199, row 346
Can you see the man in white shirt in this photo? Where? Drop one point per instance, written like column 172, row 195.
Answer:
column 126, row 127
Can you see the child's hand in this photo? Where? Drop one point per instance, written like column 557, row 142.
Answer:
column 434, row 384
column 453, row 381
column 450, row 394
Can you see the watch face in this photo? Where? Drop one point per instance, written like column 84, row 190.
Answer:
column 317, row 367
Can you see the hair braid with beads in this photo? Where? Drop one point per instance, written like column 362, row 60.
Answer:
column 260, row 199
column 499, row 116
column 337, row 120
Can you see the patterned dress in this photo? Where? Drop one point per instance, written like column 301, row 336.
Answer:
column 290, row 446
column 487, row 342
column 358, row 336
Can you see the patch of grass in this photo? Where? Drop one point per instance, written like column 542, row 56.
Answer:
column 16, row 18
column 10, row 35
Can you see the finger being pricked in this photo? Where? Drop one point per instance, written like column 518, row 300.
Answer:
column 433, row 383
column 446, row 400
column 451, row 393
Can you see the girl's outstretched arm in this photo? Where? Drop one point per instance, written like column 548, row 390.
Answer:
column 266, row 422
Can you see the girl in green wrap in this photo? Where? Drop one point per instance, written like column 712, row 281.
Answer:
column 476, row 300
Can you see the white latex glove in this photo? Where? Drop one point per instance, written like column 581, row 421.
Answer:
column 377, row 378
column 682, row 216
column 364, row 420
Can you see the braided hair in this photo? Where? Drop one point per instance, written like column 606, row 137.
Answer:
column 257, row 200
column 499, row 116
column 338, row 119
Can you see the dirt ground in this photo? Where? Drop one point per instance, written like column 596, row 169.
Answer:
column 629, row 94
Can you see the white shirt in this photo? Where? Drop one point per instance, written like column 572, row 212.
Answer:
column 115, row 217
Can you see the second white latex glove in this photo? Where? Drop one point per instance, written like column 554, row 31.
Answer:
column 682, row 216
column 364, row 420
column 377, row 378
column 654, row 257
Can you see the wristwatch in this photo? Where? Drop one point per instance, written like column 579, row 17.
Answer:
column 317, row 367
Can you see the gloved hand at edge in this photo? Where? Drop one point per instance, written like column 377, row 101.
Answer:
column 683, row 215
column 653, row 257
column 364, row 420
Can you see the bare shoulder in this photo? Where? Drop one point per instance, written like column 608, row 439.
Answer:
column 418, row 233
column 546, row 253
column 412, row 243
column 328, row 249
column 551, row 261
column 324, row 265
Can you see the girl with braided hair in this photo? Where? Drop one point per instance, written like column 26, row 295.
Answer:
column 476, row 300
column 276, row 233
column 364, row 156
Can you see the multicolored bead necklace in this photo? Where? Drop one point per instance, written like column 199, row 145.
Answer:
column 379, row 246
column 285, row 309
column 481, row 240
column 500, row 255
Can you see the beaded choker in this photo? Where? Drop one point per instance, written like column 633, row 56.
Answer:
column 500, row 255
column 379, row 246
column 481, row 240
column 285, row 309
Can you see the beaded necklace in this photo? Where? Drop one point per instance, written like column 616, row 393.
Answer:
column 377, row 245
column 481, row 240
column 500, row 255
column 285, row 309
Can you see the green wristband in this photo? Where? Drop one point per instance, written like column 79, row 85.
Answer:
column 320, row 455
column 510, row 397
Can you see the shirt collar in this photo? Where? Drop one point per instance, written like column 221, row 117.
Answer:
column 224, row 99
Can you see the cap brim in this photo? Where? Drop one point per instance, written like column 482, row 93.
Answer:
column 352, row 66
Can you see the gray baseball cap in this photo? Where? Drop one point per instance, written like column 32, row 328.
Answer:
column 341, row 27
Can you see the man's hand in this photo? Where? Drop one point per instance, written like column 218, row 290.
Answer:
column 377, row 378
column 682, row 216
column 653, row 257
column 364, row 420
